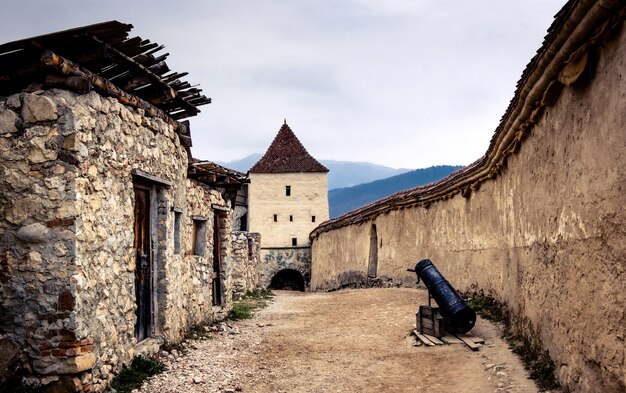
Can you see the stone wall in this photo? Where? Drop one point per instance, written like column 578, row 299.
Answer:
column 274, row 260
column 67, row 262
column 546, row 236
column 266, row 198
column 246, row 261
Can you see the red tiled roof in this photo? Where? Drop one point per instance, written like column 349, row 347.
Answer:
column 287, row 155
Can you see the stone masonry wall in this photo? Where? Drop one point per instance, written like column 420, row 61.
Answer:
column 547, row 237
column 38, row 228
column 273, row 260
column 66, row 235
column 187, row 284
column 246, row 261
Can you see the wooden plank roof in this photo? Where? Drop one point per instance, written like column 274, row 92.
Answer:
column 215, row 175
column 104, row 49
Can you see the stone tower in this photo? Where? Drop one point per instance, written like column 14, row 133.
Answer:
column 288, row 198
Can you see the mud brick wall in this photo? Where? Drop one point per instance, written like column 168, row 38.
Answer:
column 67, row 263
column 547, row 236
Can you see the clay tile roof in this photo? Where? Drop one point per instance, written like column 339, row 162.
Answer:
column 286, row 155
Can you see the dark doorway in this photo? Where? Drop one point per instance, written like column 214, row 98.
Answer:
column 372, row 267
column 288, row 279
column 143, row 270
column 217, row 262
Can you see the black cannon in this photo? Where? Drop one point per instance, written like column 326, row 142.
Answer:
column 454, row 310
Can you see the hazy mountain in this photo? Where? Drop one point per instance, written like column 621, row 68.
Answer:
column 343, row 200
column 242, row 164
column 342, row 173
column 348, row 173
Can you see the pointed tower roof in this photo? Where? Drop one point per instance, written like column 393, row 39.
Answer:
column 287, row 155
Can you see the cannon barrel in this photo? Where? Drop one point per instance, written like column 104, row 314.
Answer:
column 452, row 307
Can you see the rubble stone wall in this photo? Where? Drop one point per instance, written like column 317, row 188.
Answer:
column 547, row 237
column 246, row 261
column 274, row 260
column 67, row 263
column 188, row 277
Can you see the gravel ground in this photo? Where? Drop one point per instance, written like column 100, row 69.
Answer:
column 344, row 341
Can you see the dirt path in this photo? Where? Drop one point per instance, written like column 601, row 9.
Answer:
column 345, row 341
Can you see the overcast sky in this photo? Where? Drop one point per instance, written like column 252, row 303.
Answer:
column 402, row 83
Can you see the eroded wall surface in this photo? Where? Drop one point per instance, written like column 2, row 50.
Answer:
column 67, row 262
column 546, row 237
column 275, row 260
column 246, row 261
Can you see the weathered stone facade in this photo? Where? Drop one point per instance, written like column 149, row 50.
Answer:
column 69, row 164
column 246, row 260
column 275, row 260
column 544, row 234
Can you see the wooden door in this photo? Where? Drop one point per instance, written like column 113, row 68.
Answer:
column 217, row 262
column 143, row 271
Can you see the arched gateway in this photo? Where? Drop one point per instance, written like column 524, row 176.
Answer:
column 288, row 279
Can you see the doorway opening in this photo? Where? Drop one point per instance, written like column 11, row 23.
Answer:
column 143, row 260
column 288, row 279
column 372, row 267
column 217, row 291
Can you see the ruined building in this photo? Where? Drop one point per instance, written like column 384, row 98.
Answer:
column 112, row 239
column 538, row 222
column 287, row 199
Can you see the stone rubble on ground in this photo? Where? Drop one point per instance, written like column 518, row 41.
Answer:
column 208, row 364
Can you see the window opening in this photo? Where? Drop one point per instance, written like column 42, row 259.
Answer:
column 312, row 218
column 294, row 241
column 178, row 216
column 243, row 226
column 290, row 218
column 275, row 217
column 288, row 190
column 199, row 236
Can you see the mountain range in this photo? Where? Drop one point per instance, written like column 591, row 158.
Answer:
column 342, row 173
column 355, row 184
column 342, row 200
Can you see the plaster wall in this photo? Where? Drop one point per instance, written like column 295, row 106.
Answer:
column 546, row 237
column 309, row 197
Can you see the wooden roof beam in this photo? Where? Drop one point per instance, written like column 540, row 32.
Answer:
column 105, row 87
column 168, row 92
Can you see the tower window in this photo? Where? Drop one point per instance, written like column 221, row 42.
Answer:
column 275, row 217
column 288, row 190
column 294, row 241
column 290, row 218
column 312, row 218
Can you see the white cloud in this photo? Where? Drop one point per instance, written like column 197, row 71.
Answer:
column 400, row 82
